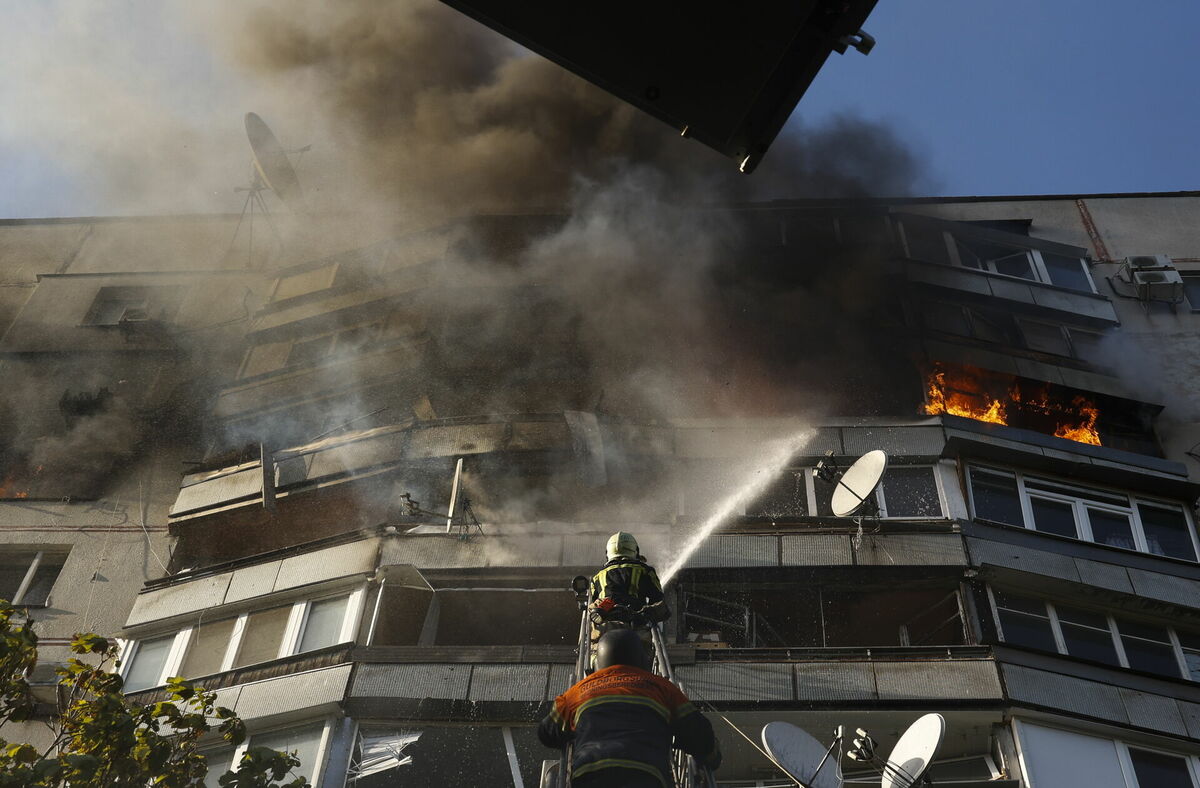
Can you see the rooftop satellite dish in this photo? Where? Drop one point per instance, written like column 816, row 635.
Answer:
column 914, row 752
column 858, row 483
column 805, row 759
column 270, row 159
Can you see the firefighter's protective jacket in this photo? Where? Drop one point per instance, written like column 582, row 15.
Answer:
column 634, row 583
column 626, row 717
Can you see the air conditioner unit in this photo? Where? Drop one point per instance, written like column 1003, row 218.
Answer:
column 1158, row 284
column 1148, row 261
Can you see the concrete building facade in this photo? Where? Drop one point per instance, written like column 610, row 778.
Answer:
column 267, row 511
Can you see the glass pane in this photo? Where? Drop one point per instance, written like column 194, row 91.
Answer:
column 219, row 762
column 1066, row 272
column 1015, row 264
column 1157, row 658
column 911, row 492
column 1087, row 494
column 1085, row 618
column 1088, row 346
column 304, row 741
column 996, row 497
column 1188, row 639
column 1159, row 770
column 1053, row 517
column 1045, row 338
column 950, row 318
column 12, row 573
column 1144, row 631
column 1192, row 659
column 1191, row 288
column 324, row 623
column 1088, row 643
column 786, row 497
column 1024, row 630
column 264, row 632
column 1111, row 528
column 206, row 651
column 450, row 757
column 926, row 243
column 1026, row 604
column 310, row 351
column 1166, row 532
column 149, row 659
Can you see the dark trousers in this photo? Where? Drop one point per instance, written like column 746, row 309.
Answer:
column 616, row 778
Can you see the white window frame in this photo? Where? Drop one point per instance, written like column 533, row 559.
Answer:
column 1034, row 256
column 289, row 643
column 1081, row 503
column 1122, row 751
column 1114, row 631
column 322, row 748
column 810, row 488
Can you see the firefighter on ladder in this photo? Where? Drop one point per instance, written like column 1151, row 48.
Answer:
column 622, row 719
column 626, row 593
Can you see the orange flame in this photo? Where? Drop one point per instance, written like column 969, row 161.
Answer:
column 965, row 392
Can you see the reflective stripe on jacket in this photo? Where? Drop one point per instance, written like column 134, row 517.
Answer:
column 626, row 581
column 626, row 717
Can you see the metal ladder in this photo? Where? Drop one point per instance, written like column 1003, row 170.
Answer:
column 686, row 771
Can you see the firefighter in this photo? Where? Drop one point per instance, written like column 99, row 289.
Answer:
column 623, row 718
column 628, row 581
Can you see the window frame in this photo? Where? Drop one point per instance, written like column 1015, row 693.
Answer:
column 293, row 634
column 1033, row 255
column 1121, row 747
column 1114, row 631
column 327, row 731
column 39, row 554
column 806, row 472
column 1080, row 504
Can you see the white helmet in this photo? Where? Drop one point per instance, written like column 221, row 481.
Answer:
column 623, row 545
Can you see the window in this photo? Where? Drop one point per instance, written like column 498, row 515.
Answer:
column 115, row 305
column 1095, row 635
column 251, row 638
column 1054, row 757
column 1159, row 769
column 303, row 283
column 148, row 663
column 1191, row 288
column 969, row 250
column 308, row 742
column 445, row 756
column 907, row 492
column 27, row 574
column 1102, row 516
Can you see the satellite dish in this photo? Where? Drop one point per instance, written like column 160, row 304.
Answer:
column 914, row 752
column 858, row 483
column 270, row 159
column 805, row 759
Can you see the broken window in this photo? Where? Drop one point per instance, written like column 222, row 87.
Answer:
column 907, row 491
column 28, row 574
column 116, row 305
column 786, row 497
column 910, row 491
column 805, row 617
column 505, row 617
column 433, row 756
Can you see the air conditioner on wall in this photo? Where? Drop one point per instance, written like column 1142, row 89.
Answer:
column 1158, row 284
column 1135, row 262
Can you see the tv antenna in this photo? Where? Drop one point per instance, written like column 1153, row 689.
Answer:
column 271, row 171
column 908, row 765
column 807, row 761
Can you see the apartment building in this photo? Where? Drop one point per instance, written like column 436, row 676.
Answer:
column 266, row 503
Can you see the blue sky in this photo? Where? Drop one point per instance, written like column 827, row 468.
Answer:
column 998, row 97
column 1025, row 96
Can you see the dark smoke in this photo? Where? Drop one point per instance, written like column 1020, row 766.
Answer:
column 444, row 117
